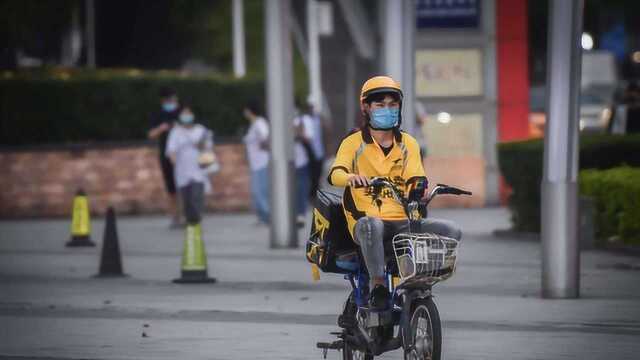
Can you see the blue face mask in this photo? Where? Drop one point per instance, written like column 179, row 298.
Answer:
column 385, row 118
column 169, row 106
column 186, row 118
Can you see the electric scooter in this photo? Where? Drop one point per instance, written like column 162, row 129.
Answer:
column 420, row 260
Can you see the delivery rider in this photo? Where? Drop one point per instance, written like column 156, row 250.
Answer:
column 380, row 149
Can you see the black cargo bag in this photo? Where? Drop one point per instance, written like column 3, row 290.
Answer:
column 329, row 234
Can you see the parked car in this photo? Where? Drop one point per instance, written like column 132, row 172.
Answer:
column 595, row 113
column 598, row 86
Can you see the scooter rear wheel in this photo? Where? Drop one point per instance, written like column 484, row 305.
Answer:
column 425, row 337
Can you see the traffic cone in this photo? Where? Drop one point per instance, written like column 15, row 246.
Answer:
column 194, row 258
column 110, row 260
column 80, row 221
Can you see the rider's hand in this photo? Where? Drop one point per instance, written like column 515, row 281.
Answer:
column 358, row 180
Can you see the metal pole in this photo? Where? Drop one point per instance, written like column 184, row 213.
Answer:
column 408, row 68
column 280, row 113
column 490, row 125
column 351, row 92
column 91, row 33
column 393, row 39
column 239, row 58
column 315, row 84
column 560, row 255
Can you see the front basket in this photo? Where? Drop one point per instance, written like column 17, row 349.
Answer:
column 426, row 258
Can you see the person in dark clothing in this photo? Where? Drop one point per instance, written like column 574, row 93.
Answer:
column 161, row 123
column 632, row 100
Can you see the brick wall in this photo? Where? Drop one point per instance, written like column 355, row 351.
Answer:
column 43, row 182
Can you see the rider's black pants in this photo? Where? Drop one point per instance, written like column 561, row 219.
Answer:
column 375, row 238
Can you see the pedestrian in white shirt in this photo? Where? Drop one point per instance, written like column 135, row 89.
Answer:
column 421, row 126
column 303, row 157
column 185, row 144
column 313, row 141
column 257, row 143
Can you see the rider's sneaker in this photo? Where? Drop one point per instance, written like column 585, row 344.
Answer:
column 379, row 298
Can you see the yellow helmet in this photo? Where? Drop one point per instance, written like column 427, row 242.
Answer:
column 378, row 84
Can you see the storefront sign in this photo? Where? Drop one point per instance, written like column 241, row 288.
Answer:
column 448, row 73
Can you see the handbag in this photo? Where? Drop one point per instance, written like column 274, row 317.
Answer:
column 207, row 160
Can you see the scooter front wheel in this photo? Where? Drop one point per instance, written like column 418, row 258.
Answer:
column 425, row 332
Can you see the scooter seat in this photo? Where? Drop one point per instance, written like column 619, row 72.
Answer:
column 347, row 265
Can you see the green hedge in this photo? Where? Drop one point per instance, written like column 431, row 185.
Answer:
column 521, row 165
column 61, row 106
column 616, row 193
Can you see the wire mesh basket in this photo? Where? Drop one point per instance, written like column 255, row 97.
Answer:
column 425, row 258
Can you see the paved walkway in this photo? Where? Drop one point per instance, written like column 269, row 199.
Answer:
column 266, row 306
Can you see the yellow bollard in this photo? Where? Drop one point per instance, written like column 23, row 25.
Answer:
column 80, row 221
column 194, row 258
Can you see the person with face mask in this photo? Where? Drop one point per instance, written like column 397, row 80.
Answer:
column 161, row 123
column 380, row 149
column 185, row 144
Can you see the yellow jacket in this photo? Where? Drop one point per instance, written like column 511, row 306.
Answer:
column 360, row 154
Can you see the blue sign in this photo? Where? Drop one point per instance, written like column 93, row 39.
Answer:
column 447, row 14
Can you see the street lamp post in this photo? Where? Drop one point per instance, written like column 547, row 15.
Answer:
column 560, row 255
column 239, row 58
column 393, row 39
column 280, row 113
column 90, row 28
column 398, row 52
column 409, row 67
column 315, row 85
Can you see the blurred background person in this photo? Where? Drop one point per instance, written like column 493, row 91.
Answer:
column 303, row 157
column 314, row 143
column 632, row 101
column 421, row 122
column 186, row 142
column 257, row 143
column 161, row 124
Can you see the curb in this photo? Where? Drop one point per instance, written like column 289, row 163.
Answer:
column 618, row 248
column 623, row 249
column 513, row 234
